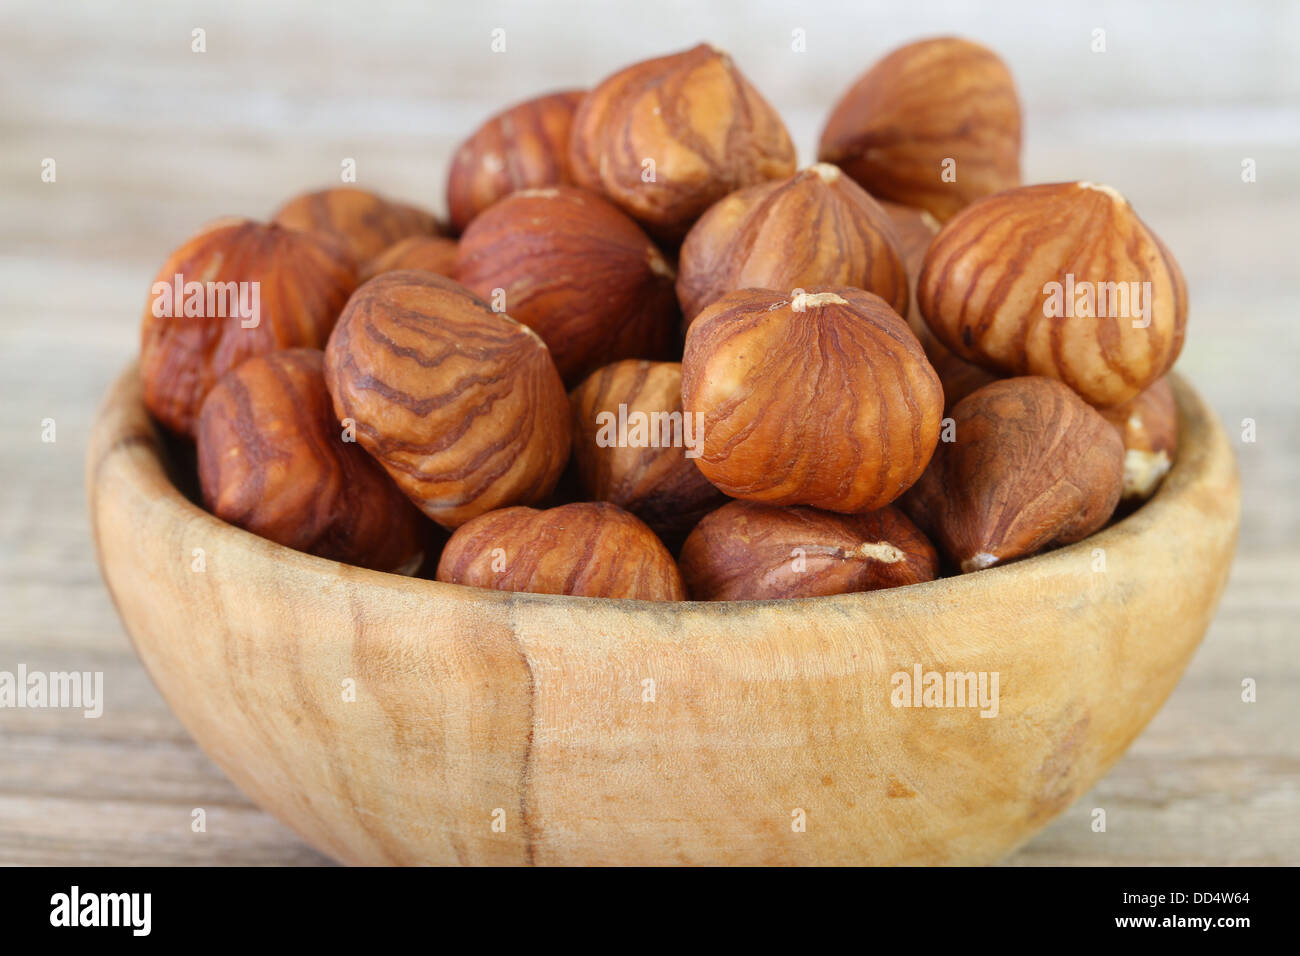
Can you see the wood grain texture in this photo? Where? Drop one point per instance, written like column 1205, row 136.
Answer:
column 475, row 705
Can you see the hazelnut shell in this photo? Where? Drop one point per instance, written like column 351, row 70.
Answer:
column 461, row 405
column 365, row 223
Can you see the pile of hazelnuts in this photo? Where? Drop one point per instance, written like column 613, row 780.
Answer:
column 661, row 362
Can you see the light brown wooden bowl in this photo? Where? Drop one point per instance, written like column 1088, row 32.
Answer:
column 478, row 706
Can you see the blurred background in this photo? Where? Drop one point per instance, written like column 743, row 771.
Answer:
column 150, row 139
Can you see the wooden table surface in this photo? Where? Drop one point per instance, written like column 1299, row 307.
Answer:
column 151, row 139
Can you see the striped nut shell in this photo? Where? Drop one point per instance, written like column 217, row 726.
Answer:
column 917, row 229
column 592, row 549
column 666, row 138
column 631, row 442
column 816, row 228
column 238, row 288
column 461, row 404
column 576, row 270
column 935, row 125
column 751, row 552
column 824, row 398
column 522, row 147
column 1031, row 466
column 365, row 223
column 1149, row 427
column 1062, row 280
column 430, row 253
column 274, row 461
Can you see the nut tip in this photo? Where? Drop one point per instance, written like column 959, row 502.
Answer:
column 979, row 562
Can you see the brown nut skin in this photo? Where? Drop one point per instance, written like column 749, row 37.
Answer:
column 522, row 147
column 461, row 405
column 751, row 552
column 273, row 460
column 302, row 283
column 430, row 253
column 984, row 290
column 824, row 398
column 365, row 223
column 708, row 131
column 590, row 549
column 815, row 229
column 1148, row 426
column 578, row 272
column 925, row 103
column 650, row 475
column 1032, row 466
column 917, row 229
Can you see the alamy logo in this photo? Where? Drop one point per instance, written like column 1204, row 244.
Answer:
column 75, row 908
column 56, row 689
column 212, row 300
column 922, row 688
column 651, row 430
column 1098, row 300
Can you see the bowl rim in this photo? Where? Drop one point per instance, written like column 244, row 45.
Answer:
column 122, row 426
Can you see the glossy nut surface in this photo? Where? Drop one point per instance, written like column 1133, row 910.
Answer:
column 631, row 444
column 1061, row 280
column 293, row 283
column 824, row 398
column 935, row 125
column 429, row 253
column 815, row 229
column 1032, row 466
column 522, row 147
column 576, row 270
column 460, row 404
column 668, row 137
column 751, row 552
column 364, row 222
column 273, row 460
column 590, row 549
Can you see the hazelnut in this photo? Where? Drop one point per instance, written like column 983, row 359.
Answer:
column 522, row 147
column 1148, row 426
column 824, row 398
column 916, row 230
column 238, row 288
column 365, row 223
column 592, row 549
column 751, row 552
column 461, row 405
column 430, row 253
column 816, row 228
column 1062, row 280
column 935, row 125
column 668, row 137
column 273, row 460
column 569, row 265
column 646, row 470
column 1032, row 466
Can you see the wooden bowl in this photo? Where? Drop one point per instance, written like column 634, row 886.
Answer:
column 490, row 727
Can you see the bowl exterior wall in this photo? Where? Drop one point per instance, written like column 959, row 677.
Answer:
column 399, row 721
